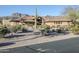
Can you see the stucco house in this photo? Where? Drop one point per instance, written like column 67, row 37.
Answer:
column 57, row 21
column 52, row 21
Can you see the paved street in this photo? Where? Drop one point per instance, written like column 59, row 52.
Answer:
column 30, row 43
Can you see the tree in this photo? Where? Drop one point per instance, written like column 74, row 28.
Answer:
column 72, row 13
column 3, row 31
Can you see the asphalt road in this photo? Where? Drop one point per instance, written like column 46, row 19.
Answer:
column 48, row 44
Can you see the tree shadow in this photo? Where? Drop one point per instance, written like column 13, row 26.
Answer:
column 12, row 36
column 6, row 44
column 28, row 31
column 50, row 33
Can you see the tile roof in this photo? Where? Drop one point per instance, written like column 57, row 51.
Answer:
column 56, row 18
column 45, row 18
column 24, row 19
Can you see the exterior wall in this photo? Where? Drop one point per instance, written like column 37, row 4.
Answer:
column 14, row 23
column 58, row 23
column 50, row 24
column 6, row 22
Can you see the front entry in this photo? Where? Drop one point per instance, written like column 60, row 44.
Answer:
column 39, row 21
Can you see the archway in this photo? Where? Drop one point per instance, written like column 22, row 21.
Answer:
column 39, row 21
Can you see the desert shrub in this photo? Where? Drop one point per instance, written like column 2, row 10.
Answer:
column 44, row 29
column 24, row 29
column 16, row 28
column 74, row 29
column 4, row 31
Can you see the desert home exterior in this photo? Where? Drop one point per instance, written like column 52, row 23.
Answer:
column 52, row 21
column 58, row 21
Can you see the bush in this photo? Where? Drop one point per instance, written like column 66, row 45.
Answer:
column 74, row 29
column 16, row 28
column 44, row 29
column 24, row 30
column 59, row 31
column 4, row 31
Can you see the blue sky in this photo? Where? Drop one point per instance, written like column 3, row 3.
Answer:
column 54, row 10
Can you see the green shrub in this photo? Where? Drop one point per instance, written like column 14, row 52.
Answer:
column 44, row 29
column 74, row 29
column 16, row 28
column 4, row 31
